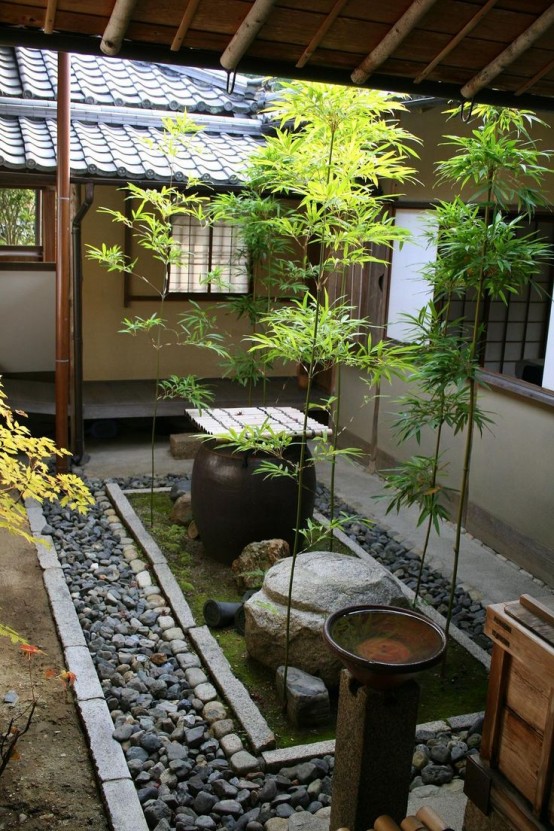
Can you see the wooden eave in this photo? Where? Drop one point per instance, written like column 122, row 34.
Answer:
column 496, row 51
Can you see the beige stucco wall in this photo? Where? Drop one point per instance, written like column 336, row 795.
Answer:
column 27, row 321
column 431, row 126
column 109, row 355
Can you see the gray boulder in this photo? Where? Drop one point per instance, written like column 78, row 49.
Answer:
column 323, row 583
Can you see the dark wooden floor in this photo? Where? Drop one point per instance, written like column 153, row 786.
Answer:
column 133, row 399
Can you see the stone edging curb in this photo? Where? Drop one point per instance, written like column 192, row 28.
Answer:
column 233, row 690
column 123, row 808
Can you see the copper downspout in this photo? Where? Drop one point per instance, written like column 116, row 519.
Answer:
column 63, row 261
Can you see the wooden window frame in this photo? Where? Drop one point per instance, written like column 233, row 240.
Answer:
column 23, row 256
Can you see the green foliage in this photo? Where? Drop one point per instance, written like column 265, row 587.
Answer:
column 186, row 387
column 8, row 632
column 332, row 149
column 484, row 255
column 25, row 473
column 17, row 216
column 150, row 221
column 414, row 483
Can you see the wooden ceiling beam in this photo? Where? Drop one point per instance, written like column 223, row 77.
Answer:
column 320, row 34
column 117, row 26
column 470, row 25
column 392, row 39
column 532, row 81
column 50, row 17
column 180, row 35
column 509, row 55
column 246, row 33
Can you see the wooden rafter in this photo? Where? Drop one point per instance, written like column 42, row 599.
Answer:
column 532, row 81
column 184, row 26
column 470, row 25
column 508, row 55
column 50, row 16
column 117, row 26
column 246, row 33
column 392, row 39
column 321, row 32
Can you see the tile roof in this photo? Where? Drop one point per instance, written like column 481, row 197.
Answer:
column 116, row 118
column 95, row 79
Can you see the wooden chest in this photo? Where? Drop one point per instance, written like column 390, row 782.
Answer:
column 518, row 734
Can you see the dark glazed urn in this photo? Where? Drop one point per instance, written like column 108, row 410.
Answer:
column 233, row 506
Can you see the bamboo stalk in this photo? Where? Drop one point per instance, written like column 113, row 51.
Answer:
column 392, row 39
column 432, row 820
column 184, row 25
column 508, row 56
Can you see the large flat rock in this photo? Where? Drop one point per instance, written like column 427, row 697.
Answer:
column 323, row 583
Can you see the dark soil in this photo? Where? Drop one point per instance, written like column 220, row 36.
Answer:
column 50, row 784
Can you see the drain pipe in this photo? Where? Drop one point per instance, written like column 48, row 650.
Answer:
column 63, row 257
column 78, row 426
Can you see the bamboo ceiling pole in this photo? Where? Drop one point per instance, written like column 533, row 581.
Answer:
column 117, row 26
column 532, row 81
column 50, row 17
column 470, row 25
column 184, row 25
column 508, row 56
column 246, row 33
column 320, row 34
column 63, row 260
column 392, row 39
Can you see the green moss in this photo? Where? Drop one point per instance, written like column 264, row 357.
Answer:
column 462, row 688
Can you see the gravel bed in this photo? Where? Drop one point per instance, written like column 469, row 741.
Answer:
column 190, row 768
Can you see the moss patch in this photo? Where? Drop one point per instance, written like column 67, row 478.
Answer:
column 461, row 690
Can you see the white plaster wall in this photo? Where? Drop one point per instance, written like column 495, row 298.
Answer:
column 27, row 321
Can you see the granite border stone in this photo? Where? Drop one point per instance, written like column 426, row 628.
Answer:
column 107, row 754
column 235, row 693
column 122, row 804
column 126, row 812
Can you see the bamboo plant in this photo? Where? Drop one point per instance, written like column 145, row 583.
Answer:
column 150, row 221
column 483, row 254
column 331, row 152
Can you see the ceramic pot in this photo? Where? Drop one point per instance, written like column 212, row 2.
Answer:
column 233, row 505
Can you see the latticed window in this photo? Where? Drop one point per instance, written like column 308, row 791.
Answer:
column 214, row 260
column 515, row 333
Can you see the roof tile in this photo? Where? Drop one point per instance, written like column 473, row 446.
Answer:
column 113, row 143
